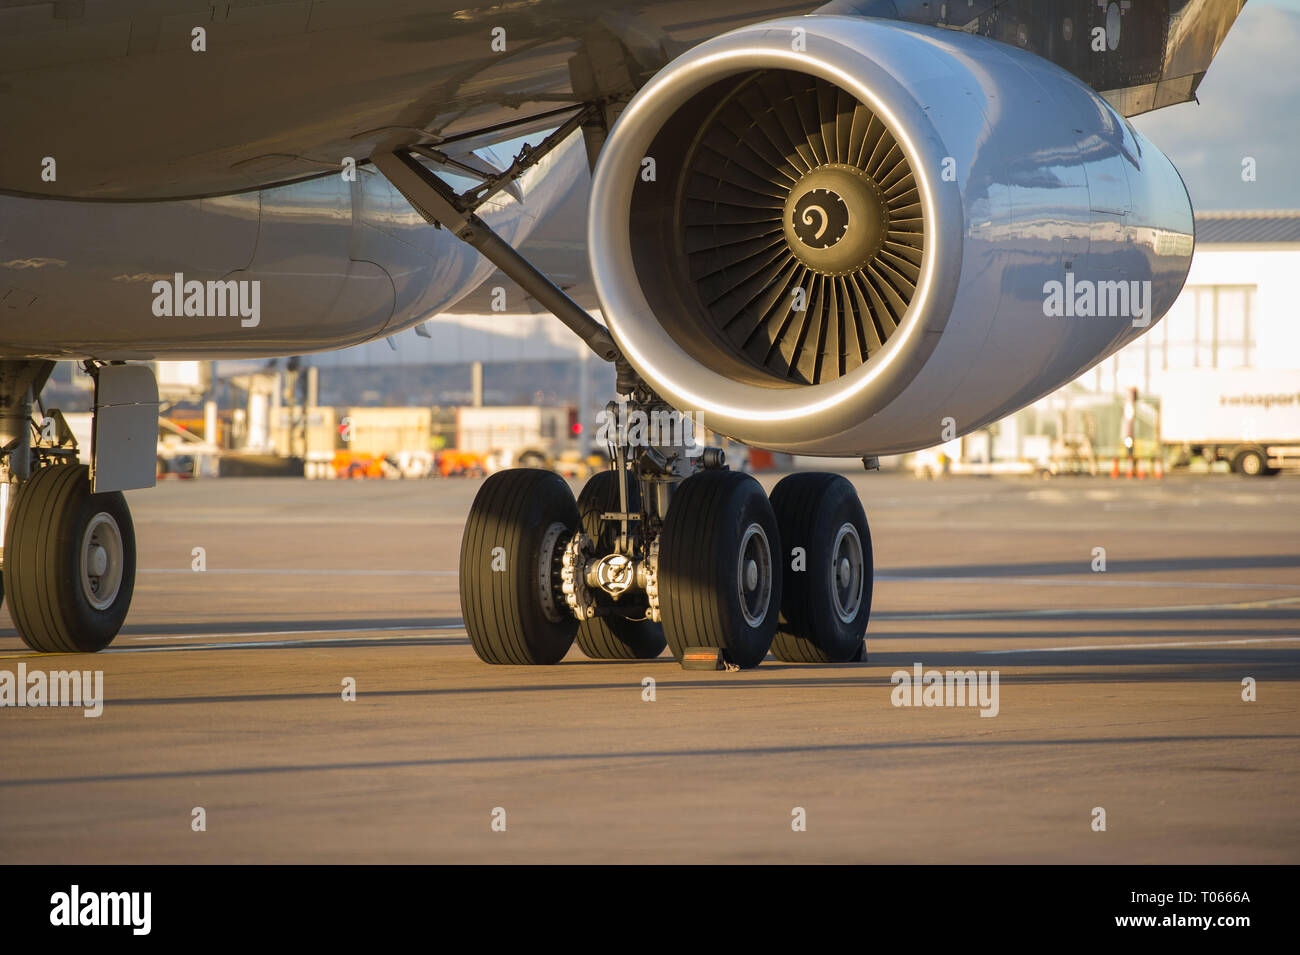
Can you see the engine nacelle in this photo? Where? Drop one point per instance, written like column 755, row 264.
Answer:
column 830, row 234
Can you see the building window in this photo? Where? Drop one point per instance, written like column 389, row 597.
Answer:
column 1234, row 338
column 1210, row 326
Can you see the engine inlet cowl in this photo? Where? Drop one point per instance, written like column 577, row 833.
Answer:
column 832, row 246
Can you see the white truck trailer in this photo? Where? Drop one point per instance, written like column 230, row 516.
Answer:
column 1249, row 418
column 525, row 435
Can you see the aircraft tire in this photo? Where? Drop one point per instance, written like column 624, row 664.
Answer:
column 826, row 605
column 719, row 571
column 510, row 594
column 69, row 561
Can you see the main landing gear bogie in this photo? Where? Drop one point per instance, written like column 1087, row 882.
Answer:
column 687, row 554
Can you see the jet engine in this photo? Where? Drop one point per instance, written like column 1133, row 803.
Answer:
column 831, row 235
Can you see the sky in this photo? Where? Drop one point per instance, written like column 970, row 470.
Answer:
column 1249, row 107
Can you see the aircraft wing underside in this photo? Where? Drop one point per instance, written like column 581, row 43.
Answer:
column 136, row 104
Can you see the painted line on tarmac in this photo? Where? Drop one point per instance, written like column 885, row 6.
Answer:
column 293, row 633
column 892, row 578
column 1085, row 612
column 1050, row 581
column 398, row 633
column 1147, row 646
column 262, row 644
column 300, row 572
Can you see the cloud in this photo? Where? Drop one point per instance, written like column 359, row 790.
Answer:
column 1248, row 105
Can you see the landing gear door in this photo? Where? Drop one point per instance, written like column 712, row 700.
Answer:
column 124, row 448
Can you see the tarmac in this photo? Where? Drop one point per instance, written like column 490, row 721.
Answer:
column 1120, row 695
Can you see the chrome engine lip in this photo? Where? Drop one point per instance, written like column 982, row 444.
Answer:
column 837, row 49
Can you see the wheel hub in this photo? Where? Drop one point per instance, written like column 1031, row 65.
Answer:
column 573, row 576
column 652, row 581
column 550, row 569
column 103, row 558
column 847, row 576
column 754, row 575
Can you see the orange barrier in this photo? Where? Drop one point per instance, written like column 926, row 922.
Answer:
column 346, row 464
column 453, row 463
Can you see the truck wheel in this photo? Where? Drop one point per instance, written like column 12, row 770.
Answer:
column 1251, row 462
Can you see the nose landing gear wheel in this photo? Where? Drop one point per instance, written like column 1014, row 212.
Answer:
column 69, row 562
column 719, row 568
column 510, row 559
column 613, row 638
column 826, row 606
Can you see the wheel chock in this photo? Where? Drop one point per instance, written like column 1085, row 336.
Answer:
column 703, row 658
